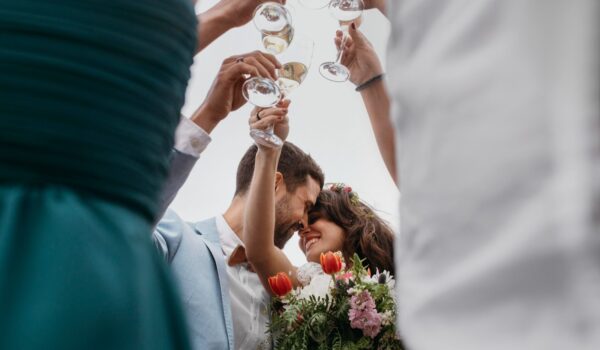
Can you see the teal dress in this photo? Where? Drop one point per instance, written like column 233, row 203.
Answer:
column 90, row 94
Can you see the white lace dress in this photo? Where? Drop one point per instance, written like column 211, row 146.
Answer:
column 313, row 280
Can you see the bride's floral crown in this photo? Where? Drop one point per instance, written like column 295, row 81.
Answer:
column 341, row 187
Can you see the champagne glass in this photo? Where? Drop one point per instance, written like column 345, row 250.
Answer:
column 297, row 60
column 344, row 11
column 314, row 4
column 274, row 22
column 295, row 64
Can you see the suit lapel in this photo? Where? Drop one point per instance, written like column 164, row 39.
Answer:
column 208, row 230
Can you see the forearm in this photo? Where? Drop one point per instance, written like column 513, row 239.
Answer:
column 206, row 119
column 180, row 167
column 259, row 222
column 259, row 218
column 211, row 25
column 377, row 103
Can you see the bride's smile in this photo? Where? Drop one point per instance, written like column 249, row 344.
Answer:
column 321, row 236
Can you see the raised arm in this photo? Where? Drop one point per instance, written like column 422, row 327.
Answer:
column 259, row 218
column 366, row 73
column 223, row 16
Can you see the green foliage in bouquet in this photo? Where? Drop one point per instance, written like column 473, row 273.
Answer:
column 358, row 312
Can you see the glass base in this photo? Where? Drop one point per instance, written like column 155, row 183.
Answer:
column 261, row 92
column 266, row 138
column 334, row 72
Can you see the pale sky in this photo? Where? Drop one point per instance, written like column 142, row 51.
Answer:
column 327, row 120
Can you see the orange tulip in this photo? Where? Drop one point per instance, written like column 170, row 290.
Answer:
column 331, row 262
column 280, row 284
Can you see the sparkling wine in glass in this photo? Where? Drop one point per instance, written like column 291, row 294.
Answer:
column 344, row 11
column 277, row 42
column 289, row 77
column 274, row 22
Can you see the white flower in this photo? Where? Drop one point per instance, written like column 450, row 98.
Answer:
column 319, row 287
column 387, row 318
column 386, row 276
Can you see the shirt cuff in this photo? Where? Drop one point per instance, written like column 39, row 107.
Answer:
column 190, row 138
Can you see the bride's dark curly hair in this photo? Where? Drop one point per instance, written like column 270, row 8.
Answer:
column 366, row 234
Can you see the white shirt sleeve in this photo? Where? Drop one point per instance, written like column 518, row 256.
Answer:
column 190, row 138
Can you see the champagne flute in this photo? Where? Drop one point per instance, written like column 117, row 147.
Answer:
column 297, row 60
column 274, row 22
column 344, row 11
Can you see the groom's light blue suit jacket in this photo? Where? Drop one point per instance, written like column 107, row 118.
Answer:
column 196, row 259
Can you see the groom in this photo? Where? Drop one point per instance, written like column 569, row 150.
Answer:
column 240, row 293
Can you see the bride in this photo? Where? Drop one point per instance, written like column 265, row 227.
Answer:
column 339, row 221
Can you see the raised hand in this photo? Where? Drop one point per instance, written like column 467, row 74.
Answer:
column 239, row 12
column 223, row 16
column 225, row 94
column 359, row 56
column 275, row 116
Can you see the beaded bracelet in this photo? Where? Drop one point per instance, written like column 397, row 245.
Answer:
column 369, row 82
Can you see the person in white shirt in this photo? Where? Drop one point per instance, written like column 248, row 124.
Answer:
column 497, row 112
column 496, row 106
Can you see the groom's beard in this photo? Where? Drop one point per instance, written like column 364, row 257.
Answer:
column 284, row 227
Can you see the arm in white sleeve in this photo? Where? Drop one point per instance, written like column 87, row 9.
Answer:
column 190, row 141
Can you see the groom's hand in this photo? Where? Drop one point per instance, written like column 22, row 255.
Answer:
column 225, row 94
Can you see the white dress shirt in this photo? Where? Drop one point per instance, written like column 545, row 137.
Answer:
column 249, row 300
column 190, row 138
column 496, row 106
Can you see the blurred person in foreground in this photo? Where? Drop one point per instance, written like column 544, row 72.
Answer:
column 496, row 108
column 90, row 96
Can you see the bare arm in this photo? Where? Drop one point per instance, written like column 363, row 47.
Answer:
column 377, row 103
column 363, row 63
column 223, row 16
column 259, row 219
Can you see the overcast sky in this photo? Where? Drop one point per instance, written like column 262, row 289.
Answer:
column 328, row 120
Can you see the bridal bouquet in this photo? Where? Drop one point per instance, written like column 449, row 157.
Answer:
column 342, row 308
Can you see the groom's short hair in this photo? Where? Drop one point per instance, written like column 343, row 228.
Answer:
column 294, row 164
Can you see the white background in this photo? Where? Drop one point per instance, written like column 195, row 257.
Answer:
column 328, row 120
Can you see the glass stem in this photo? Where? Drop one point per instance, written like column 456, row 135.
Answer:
column 344, row 28
column 271, row 128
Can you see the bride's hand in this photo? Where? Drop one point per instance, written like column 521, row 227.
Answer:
column 262, row 118
column 359, row 56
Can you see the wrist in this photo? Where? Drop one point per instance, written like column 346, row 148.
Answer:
column 376, row 79
column 206, row 119
column 268, row 155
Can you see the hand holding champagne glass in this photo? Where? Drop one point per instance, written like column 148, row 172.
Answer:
column 346, row 11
